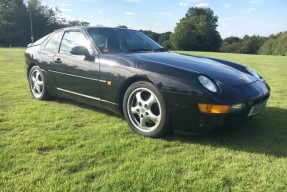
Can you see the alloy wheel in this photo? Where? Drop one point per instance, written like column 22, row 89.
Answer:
column 36, row 83
column 144, row 109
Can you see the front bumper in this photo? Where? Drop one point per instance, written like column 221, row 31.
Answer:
column 186, row 117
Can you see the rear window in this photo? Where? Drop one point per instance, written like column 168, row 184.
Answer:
column 54, row 42
column 40, row 41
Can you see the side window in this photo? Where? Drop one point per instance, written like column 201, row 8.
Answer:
column 101, row 40
column 107, row 40
column 54, row 42
column 73, row 39
column 40, row 41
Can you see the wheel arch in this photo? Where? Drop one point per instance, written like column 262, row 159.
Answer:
column 29, row 67
column 48, row 81
column 124, row 88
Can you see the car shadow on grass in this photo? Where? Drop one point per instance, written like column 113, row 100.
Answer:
column 264, row 134
column 84, row 106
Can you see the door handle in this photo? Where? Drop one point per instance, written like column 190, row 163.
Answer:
column 58, row 60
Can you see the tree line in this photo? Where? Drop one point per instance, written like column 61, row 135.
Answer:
column 15, row 26
column 197, row 31
column 272, row 45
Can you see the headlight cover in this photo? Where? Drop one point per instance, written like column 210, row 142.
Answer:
column 253, row 72
column 207, row 83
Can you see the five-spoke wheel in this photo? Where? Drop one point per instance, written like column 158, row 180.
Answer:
column 37, row 83
column 145, row 109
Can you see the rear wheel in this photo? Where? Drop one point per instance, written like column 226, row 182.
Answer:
column 37, row 84
column 145, row 109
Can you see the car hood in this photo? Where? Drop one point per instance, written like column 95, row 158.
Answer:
column 218, row 71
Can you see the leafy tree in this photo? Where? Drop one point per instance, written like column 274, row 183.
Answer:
column 167, row 44
column 275, row 45
column 163, row 37
column 232, row 39
column 122, row 26
column 15, row 22
column 164, row 40
column 251, row 45
column 231, row 45
column 14, row 26
column 153, row 35
column 76, row 23
column 230, row 48
column 247, row 45
column 45, row 19
column 197, row 31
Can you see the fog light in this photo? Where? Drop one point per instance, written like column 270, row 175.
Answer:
column 237, row 107
column 216, row 109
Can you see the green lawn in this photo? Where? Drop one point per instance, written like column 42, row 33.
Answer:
column 62, row 145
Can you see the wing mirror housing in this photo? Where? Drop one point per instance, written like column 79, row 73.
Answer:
column 80, row 50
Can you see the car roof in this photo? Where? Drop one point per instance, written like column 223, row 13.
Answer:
column 90, row 27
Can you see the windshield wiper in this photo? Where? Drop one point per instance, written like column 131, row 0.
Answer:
column 138, row 50
column 160, row 50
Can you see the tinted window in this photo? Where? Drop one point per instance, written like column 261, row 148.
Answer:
column 40, row 41
column 54, row 42
column 73, row 39
column 110, row 40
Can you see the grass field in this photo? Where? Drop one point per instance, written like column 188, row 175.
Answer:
column 61, row 145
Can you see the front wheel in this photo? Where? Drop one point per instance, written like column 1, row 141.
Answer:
column 145, row 109
column 37, row 84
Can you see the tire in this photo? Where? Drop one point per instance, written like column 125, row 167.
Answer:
column 145, row 110
column 37, row 84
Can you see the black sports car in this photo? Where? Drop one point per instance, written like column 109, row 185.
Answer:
column 126, row 72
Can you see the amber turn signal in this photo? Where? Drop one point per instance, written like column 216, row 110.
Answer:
column 216, row 109
column 109, row 83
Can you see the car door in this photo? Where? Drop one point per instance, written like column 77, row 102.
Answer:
column 77, row 74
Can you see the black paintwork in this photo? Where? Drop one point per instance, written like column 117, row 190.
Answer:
column 84, row 79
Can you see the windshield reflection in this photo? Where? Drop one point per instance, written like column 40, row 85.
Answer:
column 111, row 40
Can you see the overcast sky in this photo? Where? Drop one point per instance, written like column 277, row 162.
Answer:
column 236, row 17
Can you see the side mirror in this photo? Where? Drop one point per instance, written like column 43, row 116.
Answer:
column 80, row 50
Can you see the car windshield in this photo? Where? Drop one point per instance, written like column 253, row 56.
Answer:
column 113, row 40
